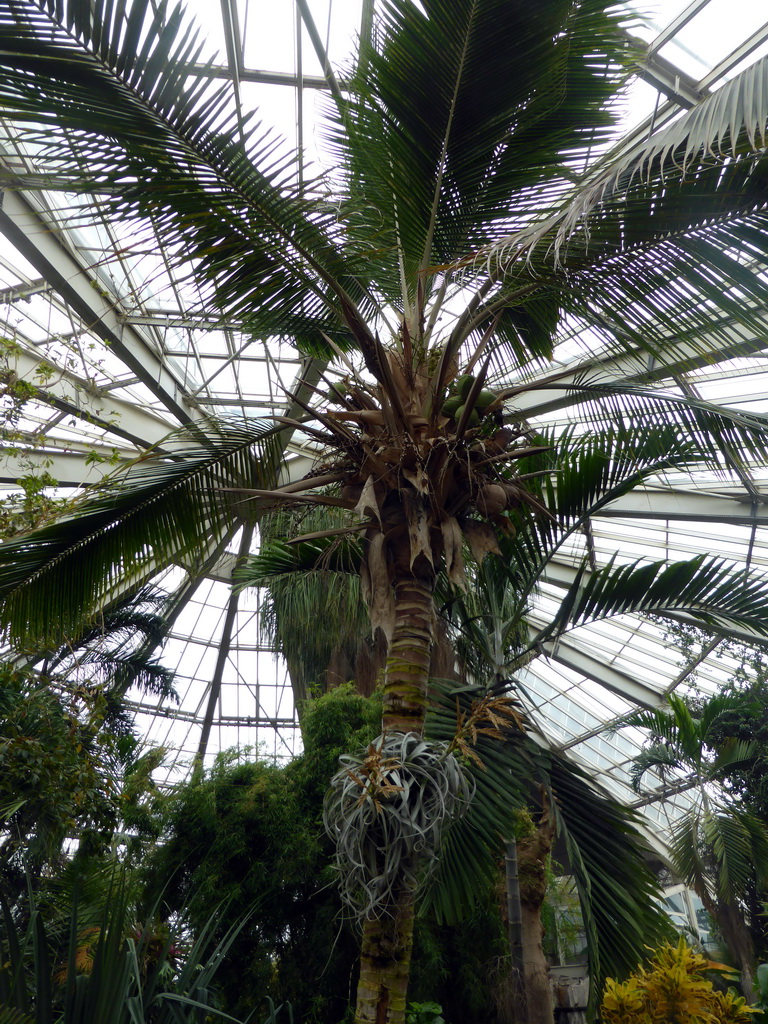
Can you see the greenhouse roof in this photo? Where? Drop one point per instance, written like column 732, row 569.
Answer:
column 121, row 354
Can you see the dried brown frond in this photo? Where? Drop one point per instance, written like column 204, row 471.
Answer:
column 495, row 717
column 373, row 777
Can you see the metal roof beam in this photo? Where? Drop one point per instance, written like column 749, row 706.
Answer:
column 319, row 47
column 565, row 653
column 24, row 291
column 735, row 57
column 689, row 507
column 77, row 397
column 673, row 83
column 260, row 77
column 248, row 721
column 638, row 368
column 39, row 242
column 68, row 469
column 676, row 24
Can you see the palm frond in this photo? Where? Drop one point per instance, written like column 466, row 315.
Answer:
column 131, row 129
column 719, row 130
column 171, row 504
column 696, row 432
column 638, row 433
column 619, row 892
column 659, row 757
column 689, row 855
column 730, row 841
column 471, row 846
column 733, row 754
column 673, row 726
column 658, row 239
column 715, row 592
column 300, row 588
column 440, row 143
column 277, row 558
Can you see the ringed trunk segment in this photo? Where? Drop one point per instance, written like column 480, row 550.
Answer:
column 406, row 679
column 385, row 955
column 385, row 963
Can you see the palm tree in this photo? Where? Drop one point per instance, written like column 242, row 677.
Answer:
column 489, row 627
column 717, row 846
column 460, row 226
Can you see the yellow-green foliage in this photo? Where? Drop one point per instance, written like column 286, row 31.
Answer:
column 673, row 990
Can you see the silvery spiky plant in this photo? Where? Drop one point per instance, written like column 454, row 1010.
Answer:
column 387, row 809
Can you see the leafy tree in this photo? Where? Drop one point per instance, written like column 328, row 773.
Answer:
column 487, row 627
column 744, row 718
column 56, row 779
column 250, row 833
column 72, row 766
column 459, row 227
column 741, row 719
column 75, row 963
column 718, row 846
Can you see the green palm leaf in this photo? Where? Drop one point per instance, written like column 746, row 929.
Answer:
column 715, row 592
column 436, row 177
column 638, row 435
column 722, row 127
column 618, row 892
column 659, row 236
column 172, row 504
column 719, row 850
column 130, row 129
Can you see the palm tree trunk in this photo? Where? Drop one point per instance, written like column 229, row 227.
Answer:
column 385, row 962
column 407, row 673
column 532, row 853
column 515, row 929
column 385, row 954
column 737, row 937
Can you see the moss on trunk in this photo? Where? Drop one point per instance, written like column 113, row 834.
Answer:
column 385, row 960
column 385, row 954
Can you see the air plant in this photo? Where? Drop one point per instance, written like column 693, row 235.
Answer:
column 387, row 810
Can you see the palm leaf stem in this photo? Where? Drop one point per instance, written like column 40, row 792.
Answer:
column 441, row 163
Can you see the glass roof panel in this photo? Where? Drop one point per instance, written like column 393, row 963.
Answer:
column 125, row 351
column 713, row 33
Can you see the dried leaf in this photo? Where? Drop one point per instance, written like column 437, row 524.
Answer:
column 418, row 527
column 382, row 598
column 365, row 582
column 482, row 539
column 368, row 503
column 417, row 478
column 452, row 548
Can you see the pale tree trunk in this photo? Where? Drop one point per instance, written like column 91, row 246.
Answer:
column 515, row 932
column 385, row 963
column 385, row 954
column 737, row 937
column 532, row 854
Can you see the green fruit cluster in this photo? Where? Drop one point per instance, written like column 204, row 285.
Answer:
column 338, row 391
column 454, row 404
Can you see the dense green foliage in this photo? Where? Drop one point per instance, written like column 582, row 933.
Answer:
column 249, row 833
column 56, row 777
column 80, row 955
column 66, row 775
